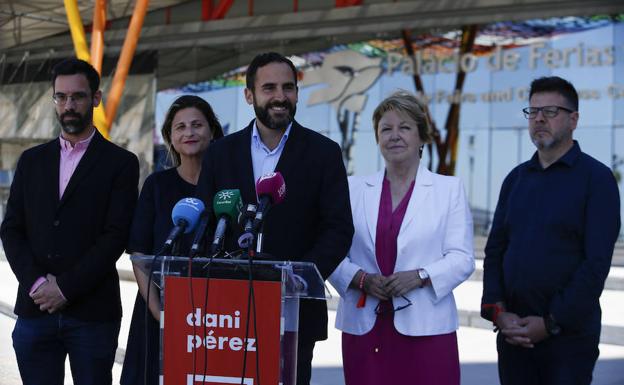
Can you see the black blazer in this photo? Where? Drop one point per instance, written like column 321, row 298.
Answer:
column 314, row 221
column 77, row 238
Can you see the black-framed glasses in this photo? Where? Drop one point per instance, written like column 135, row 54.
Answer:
column 380, row 310
column 78, row 97
column 547, row 111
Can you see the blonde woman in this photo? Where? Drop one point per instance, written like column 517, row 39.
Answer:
column 412, row 246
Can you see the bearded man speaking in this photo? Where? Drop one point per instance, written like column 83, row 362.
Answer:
column 313, row 223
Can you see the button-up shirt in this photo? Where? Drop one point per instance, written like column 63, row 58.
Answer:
column 265, row 160
column 552, row 239
column 70, row 157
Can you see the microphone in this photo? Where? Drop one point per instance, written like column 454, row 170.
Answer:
column 271, row 190
column 246, row 222
column 227, row 205
column 185, row 215
column 199, row 234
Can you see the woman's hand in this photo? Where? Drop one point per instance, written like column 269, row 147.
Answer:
column 400, row 283
column 142, row 281
column 374, row 284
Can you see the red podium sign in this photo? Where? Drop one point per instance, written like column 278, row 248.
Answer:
column 207, row 345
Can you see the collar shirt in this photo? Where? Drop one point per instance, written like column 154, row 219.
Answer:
column 264, row 160
column 70, row 157
column 552, row 238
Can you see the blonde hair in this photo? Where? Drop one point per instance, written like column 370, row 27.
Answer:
column 408, row 104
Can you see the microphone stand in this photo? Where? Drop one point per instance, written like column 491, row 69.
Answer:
column 251, row 304
column 259, row 240
column 166, row 249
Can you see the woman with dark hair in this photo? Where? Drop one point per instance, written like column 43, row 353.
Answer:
column 190, row 125
column 412, row 246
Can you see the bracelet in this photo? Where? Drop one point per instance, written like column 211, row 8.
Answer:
column 362, row 278
column 493, row 309
column 362, row 300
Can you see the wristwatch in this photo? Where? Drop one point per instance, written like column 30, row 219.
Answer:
column 552, row 327
column 424, row 277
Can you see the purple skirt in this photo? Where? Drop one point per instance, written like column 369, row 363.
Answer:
column 384, row 356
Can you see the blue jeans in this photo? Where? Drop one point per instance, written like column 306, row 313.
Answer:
column 42, row 344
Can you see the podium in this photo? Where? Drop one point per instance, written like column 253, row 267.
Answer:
column 229, row 321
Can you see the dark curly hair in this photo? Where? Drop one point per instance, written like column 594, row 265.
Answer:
column 558, row 85
column 74, row 66
column 263, row 59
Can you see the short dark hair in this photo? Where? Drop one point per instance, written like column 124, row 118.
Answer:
column 558, row 85
column 263, row 59
column 73, row 66
column 189, row 101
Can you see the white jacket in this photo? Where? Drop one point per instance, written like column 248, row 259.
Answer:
column 436, row 234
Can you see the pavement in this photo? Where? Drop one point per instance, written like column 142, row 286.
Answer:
column 477, row 350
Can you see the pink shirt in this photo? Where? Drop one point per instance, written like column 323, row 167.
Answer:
column 70, row 157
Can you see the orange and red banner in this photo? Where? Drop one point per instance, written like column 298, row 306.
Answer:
column 207, row 345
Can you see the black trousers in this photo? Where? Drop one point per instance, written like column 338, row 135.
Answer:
column 304, row 362
column 561, row 360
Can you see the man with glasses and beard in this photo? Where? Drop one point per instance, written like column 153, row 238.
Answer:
column 314, row 222
column 549, row 251
column 67, row 221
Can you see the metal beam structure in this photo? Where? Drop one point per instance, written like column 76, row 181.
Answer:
column 80, row 48
column 97, row 34
column 22, row 22
column 125, row 59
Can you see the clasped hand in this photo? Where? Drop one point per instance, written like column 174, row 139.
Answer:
column 48, row 296
column 395, row 285
column 524, row 332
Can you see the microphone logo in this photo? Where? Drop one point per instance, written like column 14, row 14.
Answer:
column 192, row 203
column 225, row 194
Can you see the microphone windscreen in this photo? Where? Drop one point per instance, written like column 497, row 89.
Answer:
column 228, row 203
column 188, row 210
column 273, row 186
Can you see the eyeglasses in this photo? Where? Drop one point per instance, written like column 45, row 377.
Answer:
column 547, row 111
column 380, row 310
column 78, row 98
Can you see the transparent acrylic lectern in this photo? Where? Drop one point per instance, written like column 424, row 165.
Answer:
column 229, row 321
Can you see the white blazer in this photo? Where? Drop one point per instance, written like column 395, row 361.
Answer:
column 436, row 234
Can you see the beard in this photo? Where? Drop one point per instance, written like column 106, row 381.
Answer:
column 548, row 142
column 275, row 123
column 74, row 123
column 543, row 143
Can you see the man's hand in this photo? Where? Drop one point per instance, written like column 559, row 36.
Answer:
column 528, row 331
column 400, row 283
column 507, row 320
column 48, row 296
column 374, row 284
